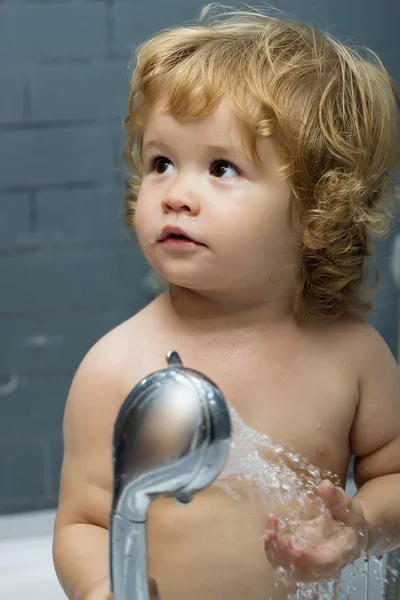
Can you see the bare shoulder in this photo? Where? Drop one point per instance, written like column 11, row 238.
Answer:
column 352, row 336
column 119, row 359
column 104, row 378
column 365, row 347
column 364, row 352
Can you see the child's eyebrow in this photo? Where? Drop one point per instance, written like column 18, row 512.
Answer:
column 215, row 149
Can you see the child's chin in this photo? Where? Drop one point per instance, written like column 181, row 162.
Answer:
column 185, row 280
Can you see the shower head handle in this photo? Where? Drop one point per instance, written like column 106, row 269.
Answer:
column 171, row 437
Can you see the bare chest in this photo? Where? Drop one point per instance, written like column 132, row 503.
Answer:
column 301, row 398
column 305, row 408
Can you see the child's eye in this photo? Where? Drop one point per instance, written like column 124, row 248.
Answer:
column 218, row 167
column 159, row 164
column 221, row 167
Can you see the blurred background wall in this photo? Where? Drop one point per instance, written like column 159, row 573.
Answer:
column 68, row 272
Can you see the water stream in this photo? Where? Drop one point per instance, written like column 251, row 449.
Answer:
column 268, row 478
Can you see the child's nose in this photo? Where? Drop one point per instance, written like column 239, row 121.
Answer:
column 177, row 201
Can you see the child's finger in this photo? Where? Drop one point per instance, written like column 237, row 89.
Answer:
column 154, row 595
column 271, row 523
column 284, row 557
column 337, row 501
column 269, row 537
column 271, row 527
column 276, row 555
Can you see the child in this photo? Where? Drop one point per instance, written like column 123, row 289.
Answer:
column 261, row 149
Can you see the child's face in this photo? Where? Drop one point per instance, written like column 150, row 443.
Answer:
column 238, row 210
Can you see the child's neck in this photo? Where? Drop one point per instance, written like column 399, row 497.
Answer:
column 202, row 313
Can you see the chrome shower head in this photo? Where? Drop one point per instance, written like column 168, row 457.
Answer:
column 171, row 437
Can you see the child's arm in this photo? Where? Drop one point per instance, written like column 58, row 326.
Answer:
column 375, row 441
column 80, row 547
column 369, row 522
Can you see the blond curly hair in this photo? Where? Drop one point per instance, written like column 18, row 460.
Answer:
column 329, row 106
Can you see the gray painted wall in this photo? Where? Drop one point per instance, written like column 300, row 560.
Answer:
column 68, row 271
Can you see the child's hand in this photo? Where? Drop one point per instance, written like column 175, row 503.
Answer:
column 320, row 548
column 153, row 591
column 99, row 595
column 154, row 595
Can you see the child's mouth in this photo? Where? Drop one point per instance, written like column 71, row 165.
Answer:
column 174, row 237
column 180, row 242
